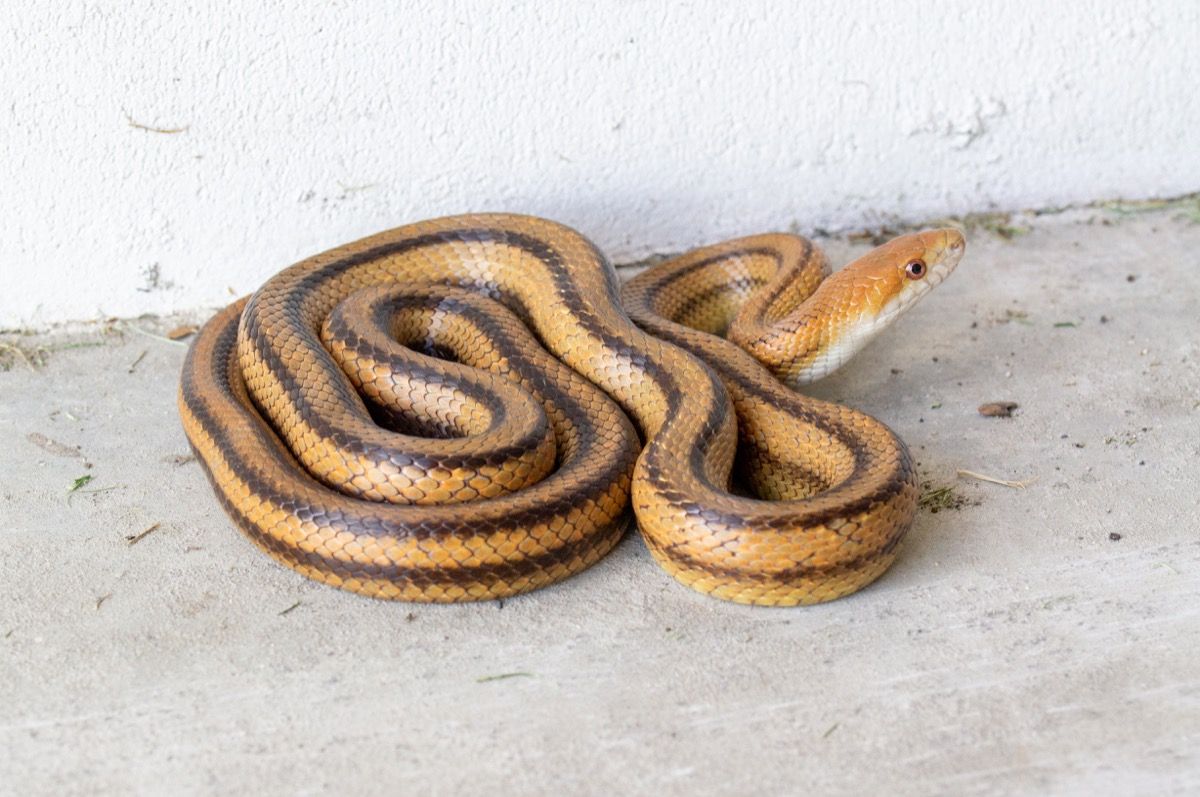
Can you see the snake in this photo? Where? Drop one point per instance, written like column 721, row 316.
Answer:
column 473, row 407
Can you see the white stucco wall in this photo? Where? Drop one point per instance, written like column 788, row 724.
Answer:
column 648, row 125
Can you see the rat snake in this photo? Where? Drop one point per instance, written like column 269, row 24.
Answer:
column 382, row 417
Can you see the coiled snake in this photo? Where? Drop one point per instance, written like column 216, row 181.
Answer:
column 381, row 417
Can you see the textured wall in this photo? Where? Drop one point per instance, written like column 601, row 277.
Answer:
column 648, row 125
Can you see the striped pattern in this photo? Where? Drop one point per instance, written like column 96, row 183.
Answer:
column 369, row 464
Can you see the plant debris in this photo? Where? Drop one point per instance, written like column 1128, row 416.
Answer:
column 168, row 131
column 179, row 333
column 875, row 237
column 1000, row 224
column 74, row 491
column 11, row 353
column 347, row 190
column 138, row 361
column 503, row 677
column 100, row 601
column 79, row 344
column 1010, row 315
column 935, row 499
column 81, row 481
column 291, row 608
column 134, row 539
column 998, row 409
column 151, row 335
column 1064, row 324
column 1010, row 225
column 983, row 477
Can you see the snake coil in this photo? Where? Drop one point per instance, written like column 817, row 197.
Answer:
column 384, row 418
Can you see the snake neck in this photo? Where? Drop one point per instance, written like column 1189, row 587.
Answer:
column 814, row 338
column 815, row 334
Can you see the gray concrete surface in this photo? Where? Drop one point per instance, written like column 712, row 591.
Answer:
column 1017, row 646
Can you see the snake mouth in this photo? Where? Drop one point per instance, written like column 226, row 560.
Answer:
column 946, row 257
column 951, row 252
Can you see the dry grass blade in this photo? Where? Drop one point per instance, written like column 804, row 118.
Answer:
column 151, row 335
column 504, row 676
column 138, row 361
column 169, row 131
column 983, row 477
column 20, row 354
column 134, row 539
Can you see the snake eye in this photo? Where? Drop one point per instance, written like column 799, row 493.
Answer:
column 915, row 269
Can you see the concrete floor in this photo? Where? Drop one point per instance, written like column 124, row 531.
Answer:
column 1017, row 646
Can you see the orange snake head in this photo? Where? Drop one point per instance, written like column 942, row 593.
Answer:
column 891, row 278
column 860, row 301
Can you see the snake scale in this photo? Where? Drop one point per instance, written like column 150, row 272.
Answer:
column 383, row 417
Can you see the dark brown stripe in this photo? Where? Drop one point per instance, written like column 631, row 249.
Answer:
column 790, row 575
column 701, row 298
column 508, row 571
column 731, row 370
column 656, row 283
column 441, row 522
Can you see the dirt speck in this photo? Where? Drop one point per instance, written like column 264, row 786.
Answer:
column 178, row 459
column 53, row 446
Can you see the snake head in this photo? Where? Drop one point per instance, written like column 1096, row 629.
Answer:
column 903, row 270
column 858, row 302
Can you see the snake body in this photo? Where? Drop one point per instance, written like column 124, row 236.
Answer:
column 382, row 417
